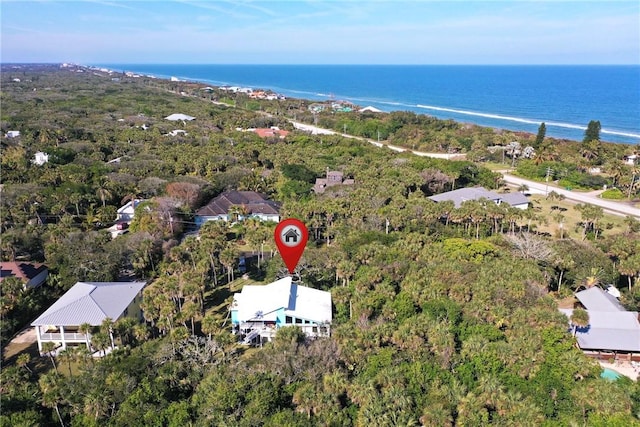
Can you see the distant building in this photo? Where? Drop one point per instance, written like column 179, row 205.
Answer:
column 12, row 134
column 126, row 212
column 461, row 195
column 177, row 116
column 272, row 132
column 31, row 274
column 40, row 158
column 260, row 310
column 177, row 132
column 246, row 204
column 333, row 178
column 370, row 109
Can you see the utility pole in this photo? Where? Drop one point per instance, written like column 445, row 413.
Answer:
column 549, row 171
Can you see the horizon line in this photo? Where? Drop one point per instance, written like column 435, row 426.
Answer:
column 328, row 64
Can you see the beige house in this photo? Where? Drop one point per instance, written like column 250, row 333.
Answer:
column 333, row 178
column 91, row 303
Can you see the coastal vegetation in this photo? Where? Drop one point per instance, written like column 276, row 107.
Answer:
column 442, row 315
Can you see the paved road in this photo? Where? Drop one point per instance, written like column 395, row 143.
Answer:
column 320, row 131
column 534, row 187
column 542, row 188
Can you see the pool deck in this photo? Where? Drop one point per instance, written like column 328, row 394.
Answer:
column 623, row 368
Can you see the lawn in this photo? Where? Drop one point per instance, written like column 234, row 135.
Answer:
column 550, row 212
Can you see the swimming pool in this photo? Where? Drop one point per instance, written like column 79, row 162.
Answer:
column 610, row 374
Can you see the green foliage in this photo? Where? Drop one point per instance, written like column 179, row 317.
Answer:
column 430, row 328
column 298, row 173
column 592, row 133
column 469, row 250
column 542, row 132
column 613, row 194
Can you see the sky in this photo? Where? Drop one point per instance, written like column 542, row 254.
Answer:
column 320, row 32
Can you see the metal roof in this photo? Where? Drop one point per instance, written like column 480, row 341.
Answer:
column 179, row 116
column 607, row 330
column 596, row 299
column 256, row 302
column 475, row 193
column 90, row 302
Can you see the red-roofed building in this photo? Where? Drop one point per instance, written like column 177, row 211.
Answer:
column 271, row 133
column 31, row 274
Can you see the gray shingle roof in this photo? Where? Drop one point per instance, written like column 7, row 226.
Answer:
column 90, row 302
column 515, row 199
column 255, row 203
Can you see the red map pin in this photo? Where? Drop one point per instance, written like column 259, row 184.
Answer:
column 291, row 238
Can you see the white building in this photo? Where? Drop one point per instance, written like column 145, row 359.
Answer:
column 90, row 303
column 127, row 211
column 177, row 116
column 260, row 310
column 40, row 158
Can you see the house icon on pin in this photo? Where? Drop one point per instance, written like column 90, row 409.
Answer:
column 291, row 236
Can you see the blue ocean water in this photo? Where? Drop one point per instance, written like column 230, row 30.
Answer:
column 514, row 97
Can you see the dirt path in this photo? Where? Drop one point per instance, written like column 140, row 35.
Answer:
column 21, row 342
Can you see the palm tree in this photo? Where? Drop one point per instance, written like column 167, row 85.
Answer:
column 103, row 192
column 49, row 348
column 579, row 319
column 228, row 258
column 634, row 174
column 630, row 267
column 86, row 329
column 23, row 361
column 555, row 196
column 50, row 388
column 124, row 328
column 107, row 328
column 66, row 356
column 140, row 332
column 100, row 340
column 209, row 325
column 593, row 277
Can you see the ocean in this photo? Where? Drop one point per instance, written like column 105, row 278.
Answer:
column 514, row 97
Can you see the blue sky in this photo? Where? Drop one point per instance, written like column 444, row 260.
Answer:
column 321, row 32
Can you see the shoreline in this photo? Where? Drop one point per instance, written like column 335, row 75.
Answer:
column 563, row 130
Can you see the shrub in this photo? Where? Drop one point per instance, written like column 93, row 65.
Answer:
column 613, row 194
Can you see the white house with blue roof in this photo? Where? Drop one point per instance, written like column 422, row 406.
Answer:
column 87, row 302
column 258, row 311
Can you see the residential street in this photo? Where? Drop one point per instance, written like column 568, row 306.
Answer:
column 619, row 208
column 542, row 188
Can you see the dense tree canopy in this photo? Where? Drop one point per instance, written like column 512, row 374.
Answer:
column 442, row 315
